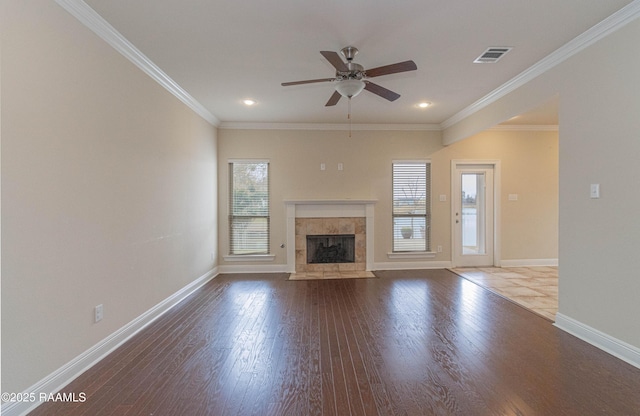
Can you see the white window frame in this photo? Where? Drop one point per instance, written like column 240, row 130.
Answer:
column 250, row 255
column 408, row 251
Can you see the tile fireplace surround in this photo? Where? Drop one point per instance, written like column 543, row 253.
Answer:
column 331, row 217
column 330, row 226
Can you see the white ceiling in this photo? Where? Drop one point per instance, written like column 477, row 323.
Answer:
column 222, row 52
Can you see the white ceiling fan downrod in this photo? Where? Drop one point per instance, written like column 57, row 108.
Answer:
column 349, row 116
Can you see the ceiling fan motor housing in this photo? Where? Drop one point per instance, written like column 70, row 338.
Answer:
column 356, row 71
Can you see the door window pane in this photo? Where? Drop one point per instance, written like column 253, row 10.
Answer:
column 472, row 203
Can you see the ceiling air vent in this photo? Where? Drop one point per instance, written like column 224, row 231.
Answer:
column 492, row 55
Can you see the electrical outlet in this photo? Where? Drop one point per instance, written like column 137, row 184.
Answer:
column 439, row 249
column 99, row 313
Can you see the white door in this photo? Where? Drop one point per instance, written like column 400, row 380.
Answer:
column 473, row 215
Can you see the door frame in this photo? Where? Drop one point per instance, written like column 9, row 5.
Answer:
column 495, row 163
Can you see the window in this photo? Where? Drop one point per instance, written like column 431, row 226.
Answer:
column 411, row 206
column 249, row 207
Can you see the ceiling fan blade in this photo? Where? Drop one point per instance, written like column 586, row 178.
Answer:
column 334, row 99
column 335, row 60
column 381, row 91
column 391, row 69
column 309, row 81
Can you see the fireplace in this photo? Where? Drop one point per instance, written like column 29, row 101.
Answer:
column 339, row 248
column 329, row 219
column 336, row 244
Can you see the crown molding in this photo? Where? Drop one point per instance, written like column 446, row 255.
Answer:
column 231, row 125
column 240, row 125
column 86, row 15
column 524, row 127
column 91, row 19
column 609, row 25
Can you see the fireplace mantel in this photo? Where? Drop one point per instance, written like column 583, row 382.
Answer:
column 328, row 208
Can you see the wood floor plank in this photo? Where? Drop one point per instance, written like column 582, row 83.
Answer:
column 355, row 345
column 422, row 342
column 329, row 402
column 347, row 399
column 370, row 352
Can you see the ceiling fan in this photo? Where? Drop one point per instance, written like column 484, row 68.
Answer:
column 351, row 78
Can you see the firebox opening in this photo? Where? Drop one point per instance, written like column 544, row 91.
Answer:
column 331, row 248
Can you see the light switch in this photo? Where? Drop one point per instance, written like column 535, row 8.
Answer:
column 595, row 190
column 513, row 197
column 323, row 166
column 443, row 198
column 340, row 166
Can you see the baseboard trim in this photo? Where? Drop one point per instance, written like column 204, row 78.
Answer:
column 282, row 268
column 70, row 371
column 411, row 265
column 258, row 268
column 617, row 348
column 528, row 262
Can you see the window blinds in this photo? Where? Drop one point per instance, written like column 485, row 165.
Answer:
column 411, row 206
column 249, row 207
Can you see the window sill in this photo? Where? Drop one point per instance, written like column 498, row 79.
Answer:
column 412, row 255
column 249, row 257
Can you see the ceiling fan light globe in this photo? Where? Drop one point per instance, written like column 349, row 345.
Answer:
column 350, row 87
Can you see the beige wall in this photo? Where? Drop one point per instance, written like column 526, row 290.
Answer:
column 529, row 168
column 599, row 142
column 295, row 158
column 108, row 191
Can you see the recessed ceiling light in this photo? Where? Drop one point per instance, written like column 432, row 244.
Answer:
column 249, row 102
column 423, row 104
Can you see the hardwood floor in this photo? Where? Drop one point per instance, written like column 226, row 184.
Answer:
column 407, row 343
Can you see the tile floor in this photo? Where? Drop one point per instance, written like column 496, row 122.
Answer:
column 535, row 288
